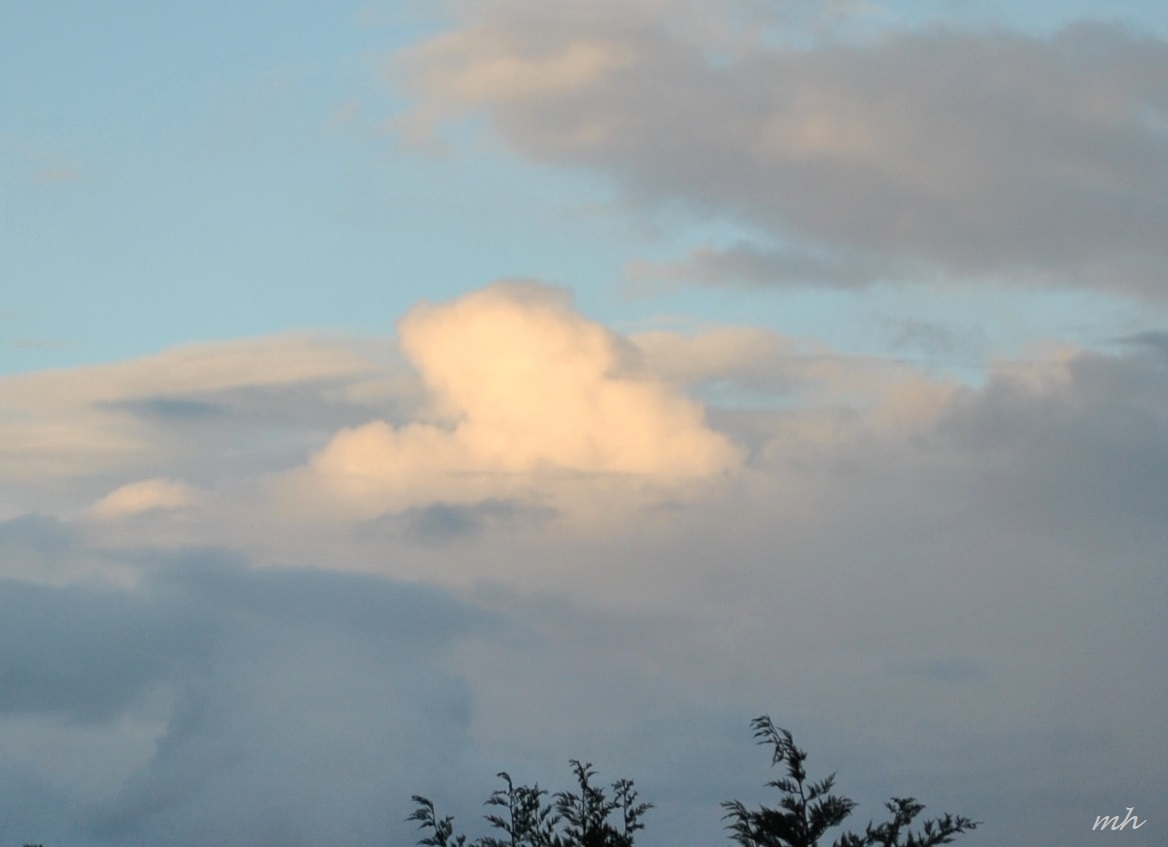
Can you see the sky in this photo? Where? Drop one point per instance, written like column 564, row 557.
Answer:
column 396, row 393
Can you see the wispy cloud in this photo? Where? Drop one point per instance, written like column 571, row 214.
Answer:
column 24, row 160
column 148, row 495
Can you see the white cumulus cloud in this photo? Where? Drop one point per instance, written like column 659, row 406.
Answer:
column 530, row 401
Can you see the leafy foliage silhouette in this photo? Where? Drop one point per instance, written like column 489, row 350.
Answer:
column 591, row 818
column 570, row 820
column 808, row 809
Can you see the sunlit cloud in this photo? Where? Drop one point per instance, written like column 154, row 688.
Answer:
column 531, row 401
column 148, row 495
column 101, row 418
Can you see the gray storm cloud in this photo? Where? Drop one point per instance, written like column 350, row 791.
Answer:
column 985, row 154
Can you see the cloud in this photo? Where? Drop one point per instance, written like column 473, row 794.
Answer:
column 748, row 264
column 1155, row 340
column 531, row 401
column 984, row 154
column 940, row 566
column 502, row 408
column 48, row 550
column 746, row 355
column 25, row 160
column 172, row 408
column 946, row 670
column 87, row 654
column 192, row 413
column 148, row 495
column 478, row 68
column 58, row 175
column 443, row 522
column 1107, row 412
column 244, row 706
column 35, row 534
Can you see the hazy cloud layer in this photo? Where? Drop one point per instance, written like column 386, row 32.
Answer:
column 947, row 591
column 195, row 414
column 986, row 154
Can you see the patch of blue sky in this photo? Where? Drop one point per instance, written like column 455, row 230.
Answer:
column 220, row 192
column 322, row 236
column 190, row 171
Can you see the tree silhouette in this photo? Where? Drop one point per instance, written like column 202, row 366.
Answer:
column 570, row 820
column 591, row 818
column 529, row 822
column 807, row 810
column 443, row 835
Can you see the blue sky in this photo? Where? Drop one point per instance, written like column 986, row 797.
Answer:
column 400, row 392
column 208, row 171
